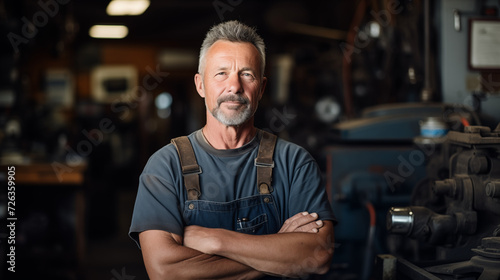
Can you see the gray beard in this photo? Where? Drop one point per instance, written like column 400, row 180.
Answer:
column 239, row 117
column 234, row 120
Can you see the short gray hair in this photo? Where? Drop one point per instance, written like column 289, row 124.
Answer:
column 232, row 31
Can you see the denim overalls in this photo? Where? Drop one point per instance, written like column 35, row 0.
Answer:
column 256, row 214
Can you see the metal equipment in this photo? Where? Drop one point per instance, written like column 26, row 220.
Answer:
column 455, row 220
column 363, row 155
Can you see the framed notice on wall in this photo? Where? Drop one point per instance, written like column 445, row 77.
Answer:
column 484, row 44
column 113, row 83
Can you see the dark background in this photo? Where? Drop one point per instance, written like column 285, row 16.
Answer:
column 315, row 38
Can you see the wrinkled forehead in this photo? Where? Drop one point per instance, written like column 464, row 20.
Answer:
column 227, row 53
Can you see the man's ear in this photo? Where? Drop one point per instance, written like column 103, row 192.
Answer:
column 198, row 81
column 262, row 87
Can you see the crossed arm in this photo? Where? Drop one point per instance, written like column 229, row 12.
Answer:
column 304, row 245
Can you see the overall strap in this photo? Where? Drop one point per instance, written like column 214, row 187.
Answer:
column 190, row 167
column 265, row 163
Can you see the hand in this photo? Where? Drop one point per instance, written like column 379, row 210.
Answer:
column 302, row 222
column 199, row 238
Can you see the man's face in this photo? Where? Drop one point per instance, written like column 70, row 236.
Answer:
column 231, row 82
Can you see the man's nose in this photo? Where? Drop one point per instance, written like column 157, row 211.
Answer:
column 234, row 83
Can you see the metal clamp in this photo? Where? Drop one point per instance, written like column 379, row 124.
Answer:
column 191, row 170
column 263, row 164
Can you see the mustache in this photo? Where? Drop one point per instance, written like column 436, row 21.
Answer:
column 233, row 97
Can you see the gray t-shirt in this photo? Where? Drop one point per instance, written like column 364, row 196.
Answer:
column 226, row 175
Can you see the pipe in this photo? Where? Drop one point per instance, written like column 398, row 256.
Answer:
column 346, row 61
column 427, row 92
column 368, row 260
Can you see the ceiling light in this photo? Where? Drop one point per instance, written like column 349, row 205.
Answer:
column 127, row 7
column 108, row 31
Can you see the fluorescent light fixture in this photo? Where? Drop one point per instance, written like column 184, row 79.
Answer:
column 108, row 31
column 127, row 7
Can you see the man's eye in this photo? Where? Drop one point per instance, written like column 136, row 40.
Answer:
column 247, row 75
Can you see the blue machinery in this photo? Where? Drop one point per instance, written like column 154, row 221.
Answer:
column 372, row 165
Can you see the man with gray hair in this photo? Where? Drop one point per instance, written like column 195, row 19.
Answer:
column 231, row 201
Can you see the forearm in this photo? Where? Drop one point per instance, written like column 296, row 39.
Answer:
column 203, row 266
column 289, row 254
column 174, row 261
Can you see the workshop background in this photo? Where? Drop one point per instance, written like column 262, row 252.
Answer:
column 398, row 101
